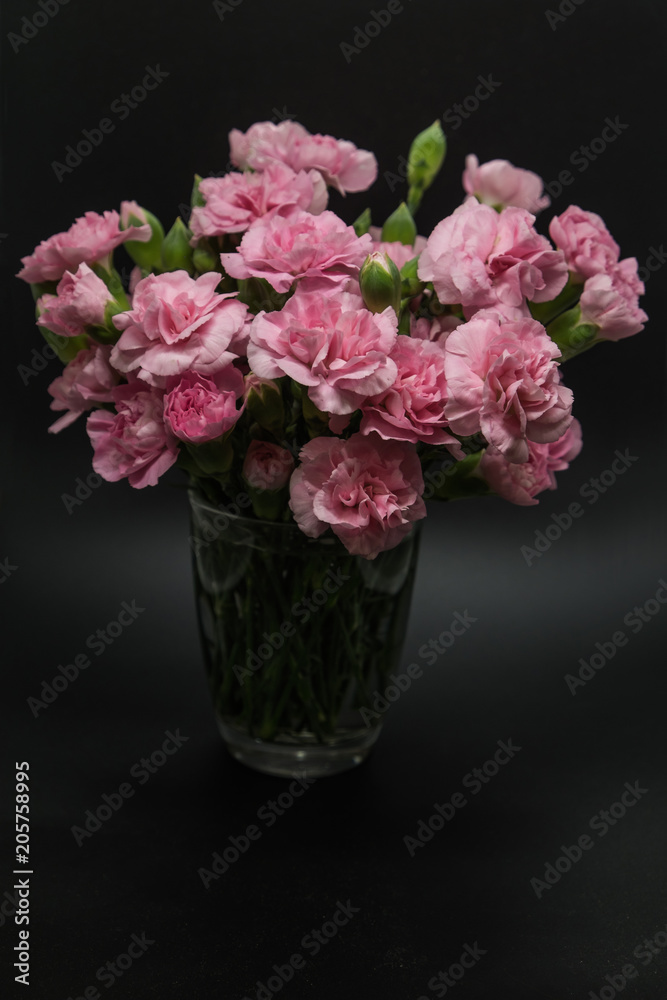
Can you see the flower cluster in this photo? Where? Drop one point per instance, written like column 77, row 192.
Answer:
column 325, row 368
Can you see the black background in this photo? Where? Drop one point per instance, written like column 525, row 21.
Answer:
column 343, row 840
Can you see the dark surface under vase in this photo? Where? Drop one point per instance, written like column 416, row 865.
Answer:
column 299, row 638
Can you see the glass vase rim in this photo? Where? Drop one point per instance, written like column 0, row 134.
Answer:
column 326, row 538
column 200, row 499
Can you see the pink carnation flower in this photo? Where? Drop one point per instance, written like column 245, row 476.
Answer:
column 586, row 242
column 521, row 483
column 331, row 344
column 177, row 324
column 437, row 328
column 267, row 466
column 299, row 245
column 87, row 379
column 413, row 408
column 234, row 201
column 133, row 443
column 341, row 164
column 199, row 409
column 400, row 253
column 135, row 278
column 502, row 379
column 368, row 491
column 132, row 210
column 80, row 302
column 91, row 238
column 499, row 183
column 611, row 301
column 480, row 258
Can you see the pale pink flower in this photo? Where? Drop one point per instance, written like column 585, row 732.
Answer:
column 135, row 278
column 265, row 143
column 413, row 407
column 283, row 249
column 587, row 244
column 611, row 301
column 520, row 483
column 267, row 466
column 91, row 238
column 199, row 409
column 503, row 380
column 500, row 183
column 481, row 258
column 134, row 443
column 367, row 490
column 341, row 164
column 563, row 451
column 400, row 253
column 331, row 344
column 177, row 324
column 435, row 328
column 80, row 301
column 132, row 209
column 87, row 379
column 234, row 201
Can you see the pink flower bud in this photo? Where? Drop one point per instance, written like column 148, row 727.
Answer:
column 267, row 466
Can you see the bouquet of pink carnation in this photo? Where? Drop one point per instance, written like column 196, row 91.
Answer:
column 336, row 373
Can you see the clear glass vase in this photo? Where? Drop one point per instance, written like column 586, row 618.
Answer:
column 299, row 638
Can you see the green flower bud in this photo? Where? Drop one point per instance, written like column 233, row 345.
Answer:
column 425, row 158
column 380, row 282
column 203, row 261
column 176, row 249
column 66, row 348
column 400, row 227
column 456, row 481
column 213, row 458
column 266, row 504
column 264, row 402
column 571, row 335
column 545, row 312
